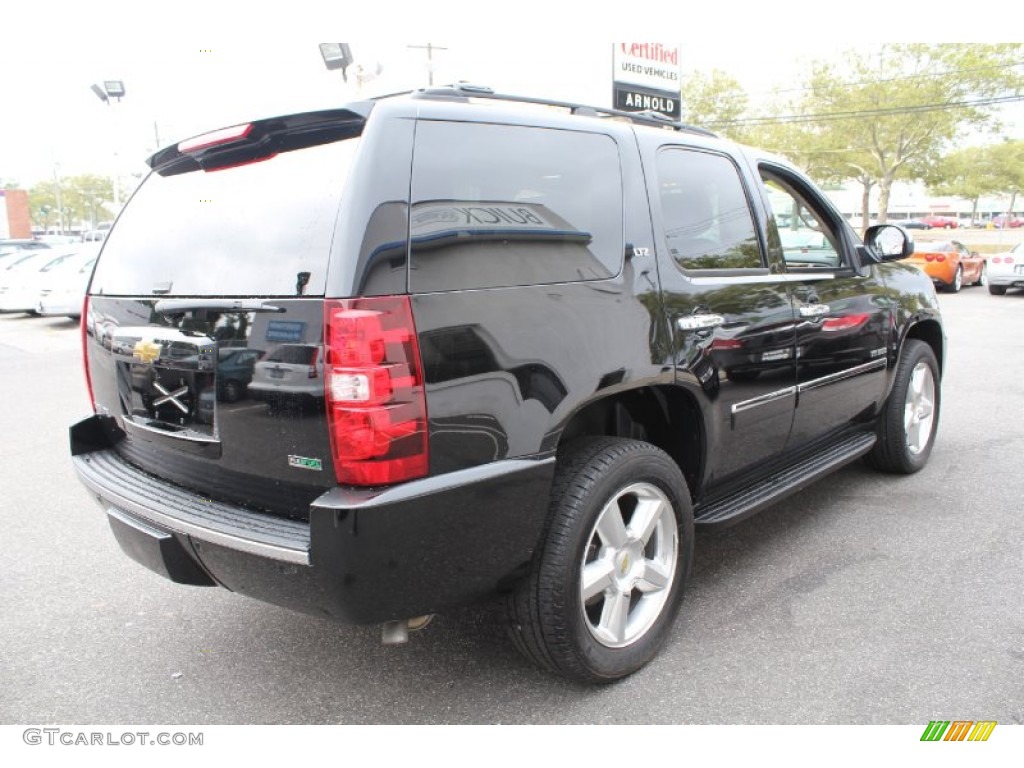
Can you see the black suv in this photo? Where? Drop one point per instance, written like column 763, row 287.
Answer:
column 541, row 342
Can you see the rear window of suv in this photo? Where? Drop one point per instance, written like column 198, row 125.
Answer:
column 249, row 230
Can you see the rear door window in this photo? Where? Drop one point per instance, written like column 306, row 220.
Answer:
column 707, row 218
column 502, row 205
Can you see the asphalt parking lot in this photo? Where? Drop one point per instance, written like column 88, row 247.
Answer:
column 864, row 599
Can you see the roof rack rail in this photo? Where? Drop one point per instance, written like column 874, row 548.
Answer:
column 471, row 91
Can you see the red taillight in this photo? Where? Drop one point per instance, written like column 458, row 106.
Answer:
column 377, row 409
column 845, row 323
column 86, row 326
column 929, row 257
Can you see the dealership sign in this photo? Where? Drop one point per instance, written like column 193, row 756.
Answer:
column 646, row 77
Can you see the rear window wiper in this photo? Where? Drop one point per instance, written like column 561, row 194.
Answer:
column 181, row 306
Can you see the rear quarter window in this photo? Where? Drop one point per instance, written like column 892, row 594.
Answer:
column 500, row 205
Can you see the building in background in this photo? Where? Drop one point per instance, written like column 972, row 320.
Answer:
column 15, row 220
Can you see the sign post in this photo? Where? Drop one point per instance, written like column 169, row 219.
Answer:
column 645, row 77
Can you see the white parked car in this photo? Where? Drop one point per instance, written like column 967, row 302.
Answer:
column 1006, row 270
column 290, row 373
column 20, row 281
column 62, row 291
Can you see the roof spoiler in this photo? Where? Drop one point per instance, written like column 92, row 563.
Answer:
column 260, row 140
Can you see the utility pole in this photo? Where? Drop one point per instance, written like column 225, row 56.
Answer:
column 429, row 48
column 56, row 194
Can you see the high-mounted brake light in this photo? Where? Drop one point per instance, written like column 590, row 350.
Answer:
column 215, row 138
column 376, row 406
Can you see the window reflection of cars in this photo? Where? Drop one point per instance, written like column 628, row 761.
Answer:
column 476, row 387
column 289, row 373
column 807, row 247
column 494, row 243
column 235, row 367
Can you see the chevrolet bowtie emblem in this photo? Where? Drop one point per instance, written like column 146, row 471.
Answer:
column 146, row 351
column 170, row 397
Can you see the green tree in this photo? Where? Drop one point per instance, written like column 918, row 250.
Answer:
column 42, row 204
column 713, row 100
column 71, row 201
column 967, row 173
column 86, row 195
column 891, row 115
column 878, row 118
column 1007, row 169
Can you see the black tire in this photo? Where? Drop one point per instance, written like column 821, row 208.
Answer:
column 904, row 449
column 549, row 618
column 232, row 391
column 982, row 276
column 997, row 290
column 958, row 281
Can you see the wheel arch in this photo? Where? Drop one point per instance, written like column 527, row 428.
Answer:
column 930, row 332
column 665, row 416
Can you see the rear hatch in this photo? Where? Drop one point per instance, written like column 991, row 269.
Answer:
column 225, row 245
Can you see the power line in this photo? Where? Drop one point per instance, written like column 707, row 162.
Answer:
column 851, row 114
column 902, row 78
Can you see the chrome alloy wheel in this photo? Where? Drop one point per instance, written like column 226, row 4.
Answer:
column 629, row 565
column 919, row 408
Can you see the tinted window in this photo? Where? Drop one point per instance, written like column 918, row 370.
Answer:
column 497, row 205
column 708, row 224
column 243, row 231
column 292, row 354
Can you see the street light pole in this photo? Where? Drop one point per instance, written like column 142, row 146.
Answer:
column 429, row 48
column 56, row 194
column 112, row 89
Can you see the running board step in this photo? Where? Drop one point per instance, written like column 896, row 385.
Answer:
column 752, row 499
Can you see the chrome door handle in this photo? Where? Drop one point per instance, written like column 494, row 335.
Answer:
column 699, row 322
column 814, row 310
